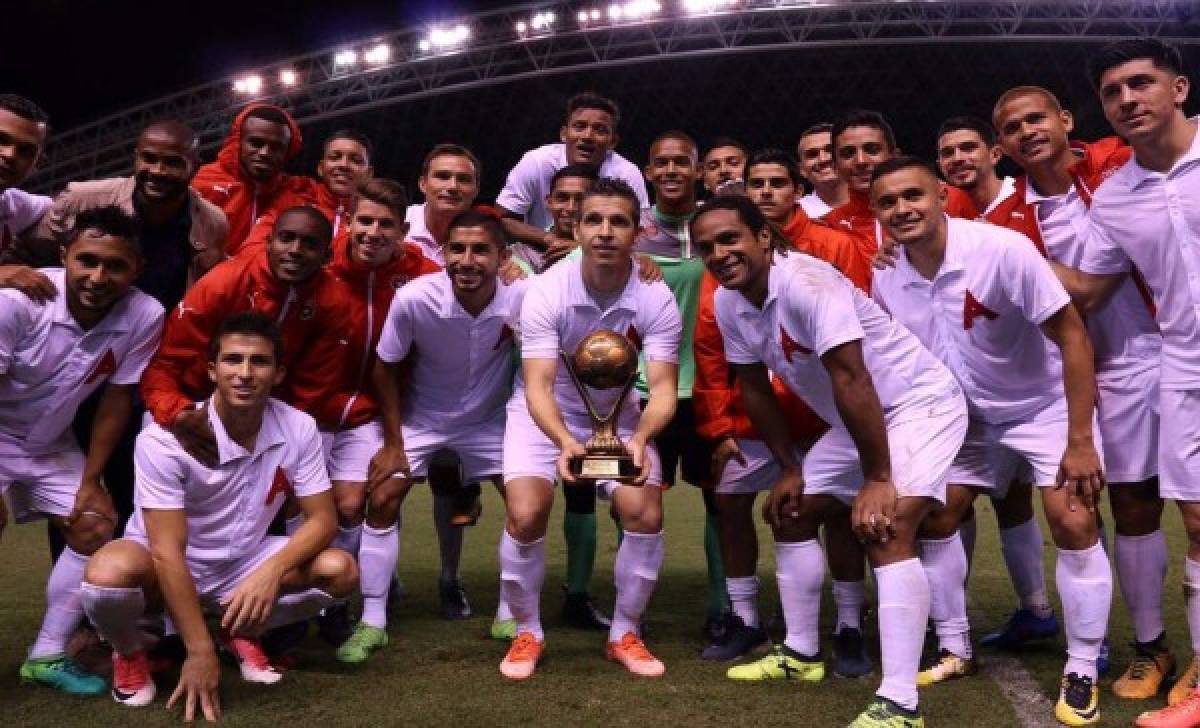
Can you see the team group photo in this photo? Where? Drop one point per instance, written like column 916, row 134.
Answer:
column 840, row 428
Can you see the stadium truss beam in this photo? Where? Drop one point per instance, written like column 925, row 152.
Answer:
column 320, row 86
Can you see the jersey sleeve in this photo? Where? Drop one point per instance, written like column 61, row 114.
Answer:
column 158, row 473
column 309, row 475
column 184, row 342
column 663, row 329
column 15, row 319
column 395, row 341
column 1102, row 256
column 142, row 346
column 737, row 351
column 519, row 187
column 539, row 325
column 827, row 317
column 1035, row 290
column 712, row 390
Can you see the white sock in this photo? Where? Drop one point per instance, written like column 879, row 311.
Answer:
column 298, row 607
column 1191, row 599
column 522, row 571
column 1142, row 568
column 800, row 574
column 503, row 611
column 64, row 609
column 1022, row 547
column 1084, row 580
column 635, row 572
column 115, row 612
column 967, row 531
column 849, row 597
column 743, row 595
column 903, row 612
column 291, row 525
column 945, row 564
column 348, row 539
column 377, row 557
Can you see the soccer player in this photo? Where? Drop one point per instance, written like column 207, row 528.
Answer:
column 1146, row 219
column 1050, row 206
column 814, row 151
column 247, row 180
column 967, row 155
column 96, row 333
column 897, row 419
column 450, row 177
column 995, row 304
column 198, row 541
column 24, row 127
column 371, row 261
column 588, row 136
column 547, row 421
column 567, row 188
column 723, row 164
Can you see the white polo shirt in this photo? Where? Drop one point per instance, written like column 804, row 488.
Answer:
column 1124, row 335
column 980, row 315
column 463, row 364
column 19, row 211
column 559, row 311
column 228, row 507
column 49, row 364
column 813, row 205
column 810, row 309
column 528, row 183
column 1007, row 187
column 1152, row 221
column 419, row 233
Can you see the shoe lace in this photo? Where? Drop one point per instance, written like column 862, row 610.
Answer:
column 1141, row 666
column 524, row 647
column 131, row 672
column 631, row 644
column 1078, row 691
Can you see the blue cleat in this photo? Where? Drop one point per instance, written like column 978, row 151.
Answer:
column 61, row 673
column 1102, row 661
column 1022, row 627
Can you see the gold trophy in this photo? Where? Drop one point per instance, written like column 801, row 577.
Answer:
column 604, row 359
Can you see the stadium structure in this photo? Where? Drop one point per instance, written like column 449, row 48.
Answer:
column 760, row 70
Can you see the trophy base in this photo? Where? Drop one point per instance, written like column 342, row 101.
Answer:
column 605, row 467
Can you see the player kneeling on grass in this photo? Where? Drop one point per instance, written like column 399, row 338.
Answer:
column 547, row 421
column 198, row 538
column 897, row 418
column 94, row 330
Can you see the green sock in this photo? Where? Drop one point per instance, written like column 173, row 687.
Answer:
column 718, row 596
column 579, row 529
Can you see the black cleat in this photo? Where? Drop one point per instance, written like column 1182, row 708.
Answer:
column 579, row 612
column 454, row 600
column 334, row 624
column 739, row 641
column 850, row 654
column 718, row 627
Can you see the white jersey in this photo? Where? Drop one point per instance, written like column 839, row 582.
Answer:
column 559, row 312
column 1151, row 220
column 419, row 233
column 528, row 182
column 1124, row 335
column 813, row 205
column 810, row 309
column 981, row 315
column 228, row 507
column 1007, row 187
column 463, row 364
column 49, row 364
column 19, row 211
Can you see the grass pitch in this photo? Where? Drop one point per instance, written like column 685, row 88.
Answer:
column 443, row 673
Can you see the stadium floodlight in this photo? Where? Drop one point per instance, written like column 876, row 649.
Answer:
column 345, row 59
column 699, row 7
column 639, row 9
column 521, row 27
column 378, row 55
column 250, row 85
column 615, row 12
column 443, row 38
column 424, row 45
column 583, row 17
column 288, row 77
column 542, row 21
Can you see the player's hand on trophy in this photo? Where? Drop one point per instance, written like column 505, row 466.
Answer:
column 570, row 450
column 725, row 451
column 873, row 516
column 198, row 679
column 194, row 432
column 1082, row 474
column 390, row 462
column 783, row 502
column 636, row 447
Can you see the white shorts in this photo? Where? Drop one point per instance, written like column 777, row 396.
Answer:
column 760, row 472
column 215, row 582
column 922, row 445
column 1127, row 411
column 994, row 454
column 479, row 447
column 348, row 452
column 1179, row 445
column 528, row 453
column 41, row 485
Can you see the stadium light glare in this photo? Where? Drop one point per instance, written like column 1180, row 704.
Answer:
column 521, row 27
column 615, row 12
column 583, row 17
column 639, row 9
column 424, row 45
column 378, row 55
column 345, row 59
column 700, row 7
column 250, row 85
column 288, row 77
column 442, row 38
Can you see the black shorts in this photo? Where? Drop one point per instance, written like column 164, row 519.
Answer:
column 681, row 449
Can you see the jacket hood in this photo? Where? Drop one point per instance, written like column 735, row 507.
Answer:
column 227, row 157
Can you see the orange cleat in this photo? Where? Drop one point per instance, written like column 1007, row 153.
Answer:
column 1184, row 714
column 522, row 657
column 632, row 653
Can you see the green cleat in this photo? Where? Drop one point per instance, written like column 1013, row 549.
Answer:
column 883, row 713
column 781, row 664
column 61, row 673
column 504, row 630
column 361, row 643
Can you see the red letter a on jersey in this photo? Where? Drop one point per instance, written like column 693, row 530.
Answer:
column 107, row 365
column 280, row 485
column 789, row 345
column 973, row 309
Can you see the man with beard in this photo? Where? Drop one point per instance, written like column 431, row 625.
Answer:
column 814, row 153
column 967, row 155
column 723, row 164
column 24, row 127
column 588, row 136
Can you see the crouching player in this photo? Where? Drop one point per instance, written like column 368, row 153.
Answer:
column 198, row 538
column 94, row 332
column 897, row 419
column 547, row 421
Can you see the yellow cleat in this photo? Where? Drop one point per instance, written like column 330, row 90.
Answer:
column 1078, row 701
column 1184, row 685
column 1145, row 675
column 948, row 666
column 782, row 664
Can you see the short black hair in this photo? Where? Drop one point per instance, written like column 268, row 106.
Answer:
column 969, row 123
column 904, row 161
column 748, row 212
column 247, row 323
column 312, row 213
column 863, row 117
column 483, row 218
column 677, row 135
column 724, row 141
column 614, row 187
column 821, row 127
column 593, row 100
column 1164, row 56
column 774, row 155
column 273, row 114
column 452, row 150
column 110, row 220
column 24, row 108
column 353, row 135
column 584, row 171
